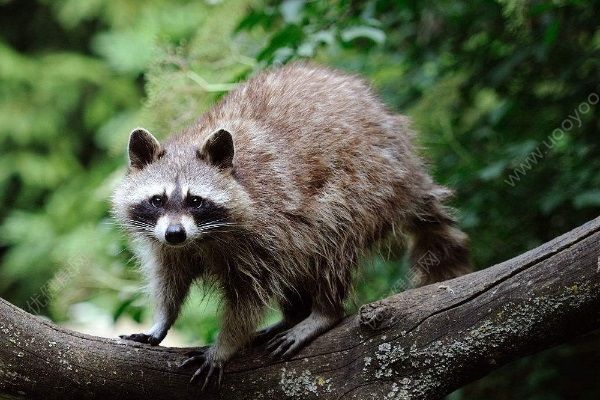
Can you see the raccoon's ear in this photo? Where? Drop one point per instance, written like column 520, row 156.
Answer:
column 218, row 149
column 143, row 148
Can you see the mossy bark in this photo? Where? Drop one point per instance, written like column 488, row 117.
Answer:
column 420, row 344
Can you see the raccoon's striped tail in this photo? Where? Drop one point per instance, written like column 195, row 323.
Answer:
column 439, row 249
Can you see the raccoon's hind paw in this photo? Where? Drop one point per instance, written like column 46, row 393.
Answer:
column 142, row 338
column 264, row 335
column 210, row 367
column 290, row 342
column 286, row 344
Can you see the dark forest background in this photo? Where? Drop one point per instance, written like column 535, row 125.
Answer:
column 504, row 94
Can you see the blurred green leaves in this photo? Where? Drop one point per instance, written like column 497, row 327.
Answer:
column 297, row 28
column 487, row 83
column 66, row 108
column 362, row 32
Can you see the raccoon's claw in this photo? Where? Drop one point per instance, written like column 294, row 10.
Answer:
column 142, row 338
column 194, row 357
column 284, row 345
column 208, row 367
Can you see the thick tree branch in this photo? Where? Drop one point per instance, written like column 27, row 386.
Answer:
column 422, row 343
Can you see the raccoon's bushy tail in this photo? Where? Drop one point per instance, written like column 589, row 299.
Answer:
column 439, row 249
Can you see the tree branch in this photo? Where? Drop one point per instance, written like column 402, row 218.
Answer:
column 422, row 343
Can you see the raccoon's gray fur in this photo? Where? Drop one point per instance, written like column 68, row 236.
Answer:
column 275, row 194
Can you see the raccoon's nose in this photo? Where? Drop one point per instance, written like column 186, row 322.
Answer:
column 175, row 234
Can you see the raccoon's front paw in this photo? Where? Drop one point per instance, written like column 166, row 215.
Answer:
column 143, row 338
column 210, row 367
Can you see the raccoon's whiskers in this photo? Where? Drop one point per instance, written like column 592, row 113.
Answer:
column 216, row 227
column 137, row 226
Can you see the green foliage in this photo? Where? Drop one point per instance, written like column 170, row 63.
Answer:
column 505, row 98
column 486, row 84
column 501, row 93
column 68, row 99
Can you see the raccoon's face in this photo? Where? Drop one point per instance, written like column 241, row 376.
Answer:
column 178, row 194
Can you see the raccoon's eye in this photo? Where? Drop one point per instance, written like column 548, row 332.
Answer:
column 194, row 201
column 157, row 201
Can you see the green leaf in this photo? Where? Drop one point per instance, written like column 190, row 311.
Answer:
column 587, row 199
column 492, row 171
column 290, row 37
column 365, row 32
column 124, row 306
column 291, row 10
column 257, row 17
column 128, row 51
column 551, row 33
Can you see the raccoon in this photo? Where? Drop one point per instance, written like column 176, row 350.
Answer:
column 275, row 195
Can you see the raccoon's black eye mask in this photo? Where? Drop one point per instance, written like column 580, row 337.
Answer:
column 176, row 202
column 145, row 213
column 202, row 210
column 207, row 211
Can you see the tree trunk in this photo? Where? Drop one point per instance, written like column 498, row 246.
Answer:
column 420, row 344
